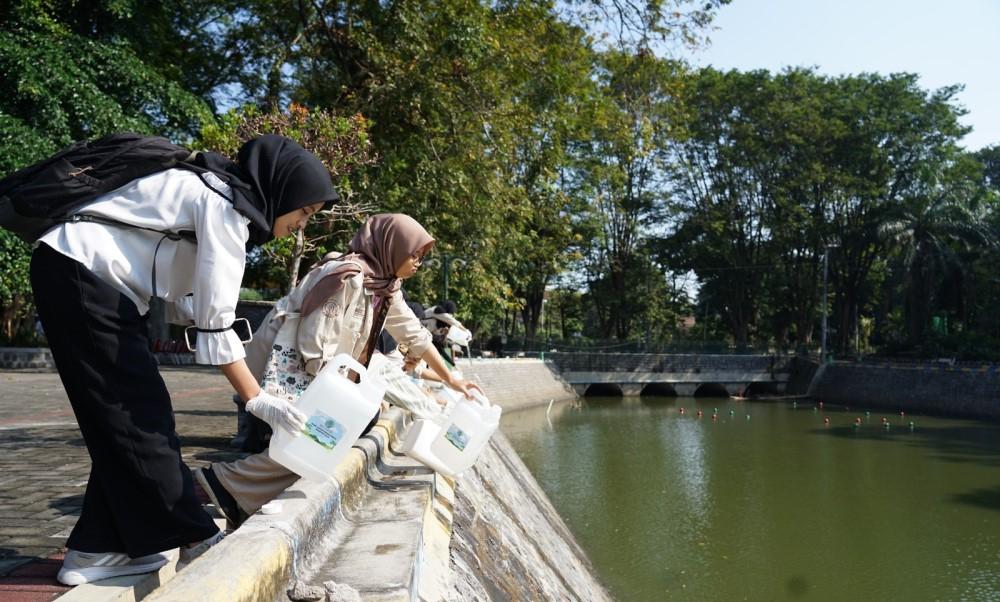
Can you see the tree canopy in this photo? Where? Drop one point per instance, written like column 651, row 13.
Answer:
column 583, row 187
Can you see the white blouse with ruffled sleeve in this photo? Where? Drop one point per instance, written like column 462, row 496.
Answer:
column 123, row 257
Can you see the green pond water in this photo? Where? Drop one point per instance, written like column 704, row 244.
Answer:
column 780, row 506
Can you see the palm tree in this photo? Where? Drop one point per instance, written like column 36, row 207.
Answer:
column 930, row 232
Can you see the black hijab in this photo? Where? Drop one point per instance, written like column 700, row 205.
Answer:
column 273, row 176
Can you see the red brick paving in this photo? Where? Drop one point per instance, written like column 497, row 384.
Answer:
column 34, row 581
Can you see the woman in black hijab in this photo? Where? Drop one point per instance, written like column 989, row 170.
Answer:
column 92, row 283
column 272, row 176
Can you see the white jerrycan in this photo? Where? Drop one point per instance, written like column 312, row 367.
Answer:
column 452, row 444
column 459, row 336
column 336, row 410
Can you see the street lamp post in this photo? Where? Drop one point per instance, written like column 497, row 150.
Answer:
column 826, row 261
column 445, row 263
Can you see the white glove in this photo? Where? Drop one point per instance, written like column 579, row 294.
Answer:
column 276, row 412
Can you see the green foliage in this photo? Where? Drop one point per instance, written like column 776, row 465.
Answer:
column 989, row 157
column 588, row 185
column 341, row 143
column 769, row 170
column 62, row 86
column 250, row 294
column 472, row 108
column 16, row 307
column 63, row 81
column 626, row 24
column 620, row 171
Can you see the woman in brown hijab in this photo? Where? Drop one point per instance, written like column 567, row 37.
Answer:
column 341, row 306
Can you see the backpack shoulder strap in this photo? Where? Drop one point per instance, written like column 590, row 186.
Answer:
column 187, row 235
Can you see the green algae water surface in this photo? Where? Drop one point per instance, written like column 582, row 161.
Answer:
column 782, row 505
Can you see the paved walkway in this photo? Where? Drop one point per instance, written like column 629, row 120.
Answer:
column 44, row 466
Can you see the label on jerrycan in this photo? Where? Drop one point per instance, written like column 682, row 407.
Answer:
column 324, row 430
column 457, row 437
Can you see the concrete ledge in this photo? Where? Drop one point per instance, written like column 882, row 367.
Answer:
column 26, row 358
column 259, row 560
column 256, row 561
column 124, row 589
column 40, row 358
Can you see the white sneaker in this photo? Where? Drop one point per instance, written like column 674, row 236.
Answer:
column 189, row 553
column 83, row 567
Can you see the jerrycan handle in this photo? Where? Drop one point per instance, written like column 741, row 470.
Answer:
column 342, row 360
column 483, row 401
column 372, row 388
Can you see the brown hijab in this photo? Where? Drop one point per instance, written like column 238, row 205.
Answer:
column 380, row 246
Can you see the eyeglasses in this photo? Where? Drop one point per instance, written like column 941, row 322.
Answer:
column 417, row 258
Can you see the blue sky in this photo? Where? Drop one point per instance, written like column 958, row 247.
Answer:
column 944, row 41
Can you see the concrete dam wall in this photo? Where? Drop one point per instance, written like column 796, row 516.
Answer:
column 517, row 383
column 950, row 390
column 508, row 542
column 670, row 375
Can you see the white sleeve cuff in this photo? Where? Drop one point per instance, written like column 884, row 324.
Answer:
column 217, row 348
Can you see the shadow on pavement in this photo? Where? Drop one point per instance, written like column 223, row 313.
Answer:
column 69, row 505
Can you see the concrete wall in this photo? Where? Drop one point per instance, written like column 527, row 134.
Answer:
column 929, row 388
column 517, row 383
column 26, row 358
column 490, row 535
column 508, row 542
column 802, row 371
column 664, row 362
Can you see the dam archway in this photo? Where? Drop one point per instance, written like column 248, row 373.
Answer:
column 604, row 390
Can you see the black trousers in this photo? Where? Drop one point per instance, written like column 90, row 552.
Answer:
column 140, row 497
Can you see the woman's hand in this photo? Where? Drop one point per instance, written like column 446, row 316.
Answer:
column 465, row 386
column 276, row 412
column 436, row 363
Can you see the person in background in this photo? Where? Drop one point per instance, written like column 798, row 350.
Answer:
column 341, row 306
column 92, row 284
column 438, row 320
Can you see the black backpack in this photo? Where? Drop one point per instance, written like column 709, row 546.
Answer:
column 36, row 198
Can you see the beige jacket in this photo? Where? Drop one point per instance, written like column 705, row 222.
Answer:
column 341, row 325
